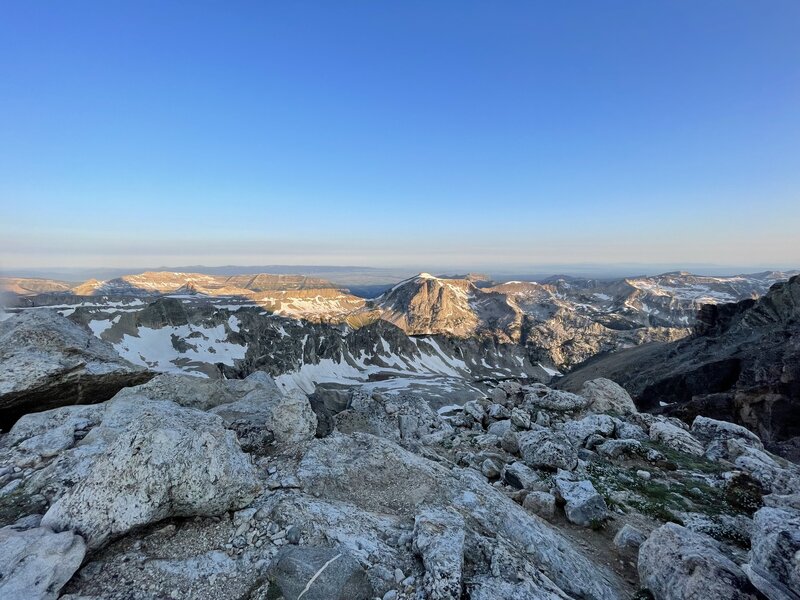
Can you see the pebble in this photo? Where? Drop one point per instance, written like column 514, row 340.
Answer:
column 399, row 575
column 643, row 474
column 390, row 595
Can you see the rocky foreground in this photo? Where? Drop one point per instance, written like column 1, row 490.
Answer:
column 183, row 487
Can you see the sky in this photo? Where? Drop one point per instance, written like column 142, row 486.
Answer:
column 437, row 135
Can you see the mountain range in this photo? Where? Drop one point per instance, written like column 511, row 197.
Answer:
column 235, row 436
column 560, row 321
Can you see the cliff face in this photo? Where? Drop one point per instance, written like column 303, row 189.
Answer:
column 742, row 364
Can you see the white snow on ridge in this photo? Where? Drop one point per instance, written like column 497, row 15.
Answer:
column 153, row 348
column 550, row 371
column 326, row 370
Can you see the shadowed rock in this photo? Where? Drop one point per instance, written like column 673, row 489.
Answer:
column 49, row 361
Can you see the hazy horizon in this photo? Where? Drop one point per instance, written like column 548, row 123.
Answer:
column 447, row 135
column 361, row 274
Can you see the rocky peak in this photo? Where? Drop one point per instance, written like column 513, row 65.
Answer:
column 425, row 305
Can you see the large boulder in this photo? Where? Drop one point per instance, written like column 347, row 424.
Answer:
column 547, row 449
column 288, row 418
column 253, row 407
column 606, row 396
column 49, row 361
column 773, row 473
column 709, row 430
column 538, row 396
column 676, row 563
column 774, row 566
column 489, row 588
column 676, row 438
column 36, row 563
column 160, row 460
column 201, row 392
column 579, row 431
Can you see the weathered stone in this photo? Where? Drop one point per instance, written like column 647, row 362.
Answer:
column 710, row 429
column 521, row 418
column 319, row 574
column 511, row 388
column 606, row 396
column 189, row 391
column 782, row 501
column 579, row 431
column 510, row 442
column 498, row 411
column 547, row 449
column 630, row 431
column 542, row 397
column 166, row 461
column 499, row 428
column 36, row 563
column 676, row 563
column 774, row 560
column 620, row 448
column 380, row 477
column 490, row 468
column 491, row 588
column 475, row 410
column 541, row 504
column 773, row 473
column 520, row 476
column 676, row 438
column 583, row 505
column 439, row 540
column 628, row 539
column 49, row 361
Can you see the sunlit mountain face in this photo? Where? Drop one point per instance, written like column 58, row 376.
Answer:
column 222, row 324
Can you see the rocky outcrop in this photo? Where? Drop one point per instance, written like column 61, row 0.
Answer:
column 676, row 438
column 49, row 361
column 542, row 397
column 742, row 365
column 196, row 488
column 713, row 431
column 774, row 565
column 439, row 540
column 379, row 477
column 426, row 305
column 676, row 563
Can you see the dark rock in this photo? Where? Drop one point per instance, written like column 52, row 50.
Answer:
column 338, row 575
column 741, row 365
column 49, row 361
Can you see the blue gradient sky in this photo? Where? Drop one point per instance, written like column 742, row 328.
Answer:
column 446, row 134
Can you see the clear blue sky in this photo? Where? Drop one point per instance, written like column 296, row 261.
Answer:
column 436, row 134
